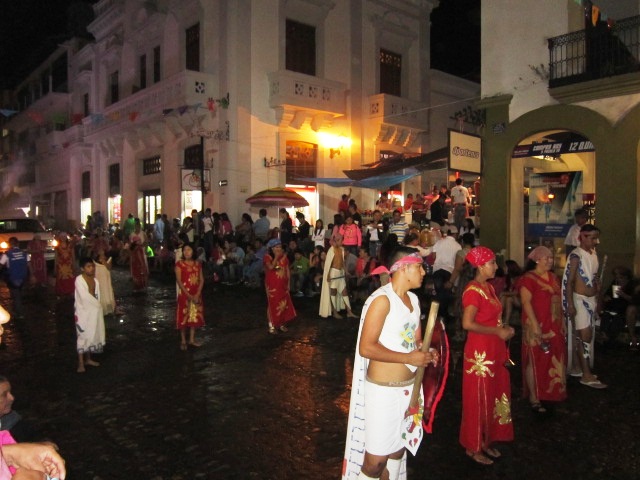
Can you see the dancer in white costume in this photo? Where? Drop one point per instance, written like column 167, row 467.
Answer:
column 386, row 359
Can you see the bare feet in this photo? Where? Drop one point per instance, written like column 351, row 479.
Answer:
column 479, row 457
column 284, row 329
column 350, row 314
column 81, row 369
column 336, row 315
column 195, row 344
column 183, row 346
column 91, row 363
column 492, row 452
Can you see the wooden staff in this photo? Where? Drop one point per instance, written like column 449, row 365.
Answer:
column 426, row 344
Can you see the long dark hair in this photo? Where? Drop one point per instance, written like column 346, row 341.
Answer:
column 467, row 274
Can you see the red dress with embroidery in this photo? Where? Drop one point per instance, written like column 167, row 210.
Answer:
column 486, row 388
column 189, row 314
column 548, row 368
column 276, row 281
column 65, row 278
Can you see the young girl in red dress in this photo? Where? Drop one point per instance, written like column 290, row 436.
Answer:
column 280, row 309
column 190, row 313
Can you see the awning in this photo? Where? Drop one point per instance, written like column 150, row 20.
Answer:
column 381, row 182
column 402, row 166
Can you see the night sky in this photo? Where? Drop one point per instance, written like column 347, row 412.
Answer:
column 31, row 29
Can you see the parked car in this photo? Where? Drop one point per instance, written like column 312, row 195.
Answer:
column 24, row 229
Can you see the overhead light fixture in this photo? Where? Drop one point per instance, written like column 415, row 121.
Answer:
column 334, row 143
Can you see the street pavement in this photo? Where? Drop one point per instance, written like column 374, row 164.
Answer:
column 252, row 405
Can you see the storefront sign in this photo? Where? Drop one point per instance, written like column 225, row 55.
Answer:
column 553, row 199
column 465, row 152
column 552, row 149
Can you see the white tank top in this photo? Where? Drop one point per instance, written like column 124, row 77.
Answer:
column 399, row 331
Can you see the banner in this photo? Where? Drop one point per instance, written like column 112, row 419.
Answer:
column 465, row 152
column 553, row 199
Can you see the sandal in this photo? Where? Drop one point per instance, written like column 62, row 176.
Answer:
column 538, row 408
column 479, row 457
column 284, row 329
column 272, row 330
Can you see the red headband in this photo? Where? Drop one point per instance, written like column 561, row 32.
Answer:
column 478, row 256
column 408, row 260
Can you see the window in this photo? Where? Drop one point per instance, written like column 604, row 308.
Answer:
column 193, row 47
column 85, row 104
column 151, row 165
column 390, row 73
column 143, row 71
column 301, row 160
column 114, row 179
column 152, row 205
column 113, row 86
column 193, row 157
column 301, row 48
column 86, row 184
column 156, row 64
column 59, row 74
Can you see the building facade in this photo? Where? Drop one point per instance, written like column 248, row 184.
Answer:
column 182, row 104
column 561, row 90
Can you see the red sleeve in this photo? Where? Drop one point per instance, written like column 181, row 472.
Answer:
column 471, row 297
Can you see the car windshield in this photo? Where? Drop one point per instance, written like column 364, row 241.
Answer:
column 21, row 225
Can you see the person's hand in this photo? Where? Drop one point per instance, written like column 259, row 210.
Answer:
column 419, row 358
column 24, row 474
column 571, row 311
column 505, row 333
column 42, row 457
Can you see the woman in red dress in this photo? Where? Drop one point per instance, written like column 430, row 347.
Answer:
column 276, row 279
column 190, row 280
column 37, row 263
column 64, row 267
column 543, row 332
column 138, row 261
column 486, row 389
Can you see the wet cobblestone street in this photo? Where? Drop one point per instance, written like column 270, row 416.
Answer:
column 251, row 405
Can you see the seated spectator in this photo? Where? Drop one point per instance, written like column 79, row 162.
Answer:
column 620, row 307
column 299, row 272
column 315, row 271
column 232, row 265
column 252, row 272
column 388, row 246
column 364, row 283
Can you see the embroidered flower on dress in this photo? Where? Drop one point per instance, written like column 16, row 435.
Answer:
column 480, row 366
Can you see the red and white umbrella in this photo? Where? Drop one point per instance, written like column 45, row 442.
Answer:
column 278, row 196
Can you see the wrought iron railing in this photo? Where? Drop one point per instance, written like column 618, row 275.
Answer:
column 597, row 52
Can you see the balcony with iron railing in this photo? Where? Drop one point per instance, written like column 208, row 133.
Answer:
column 596, row 62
